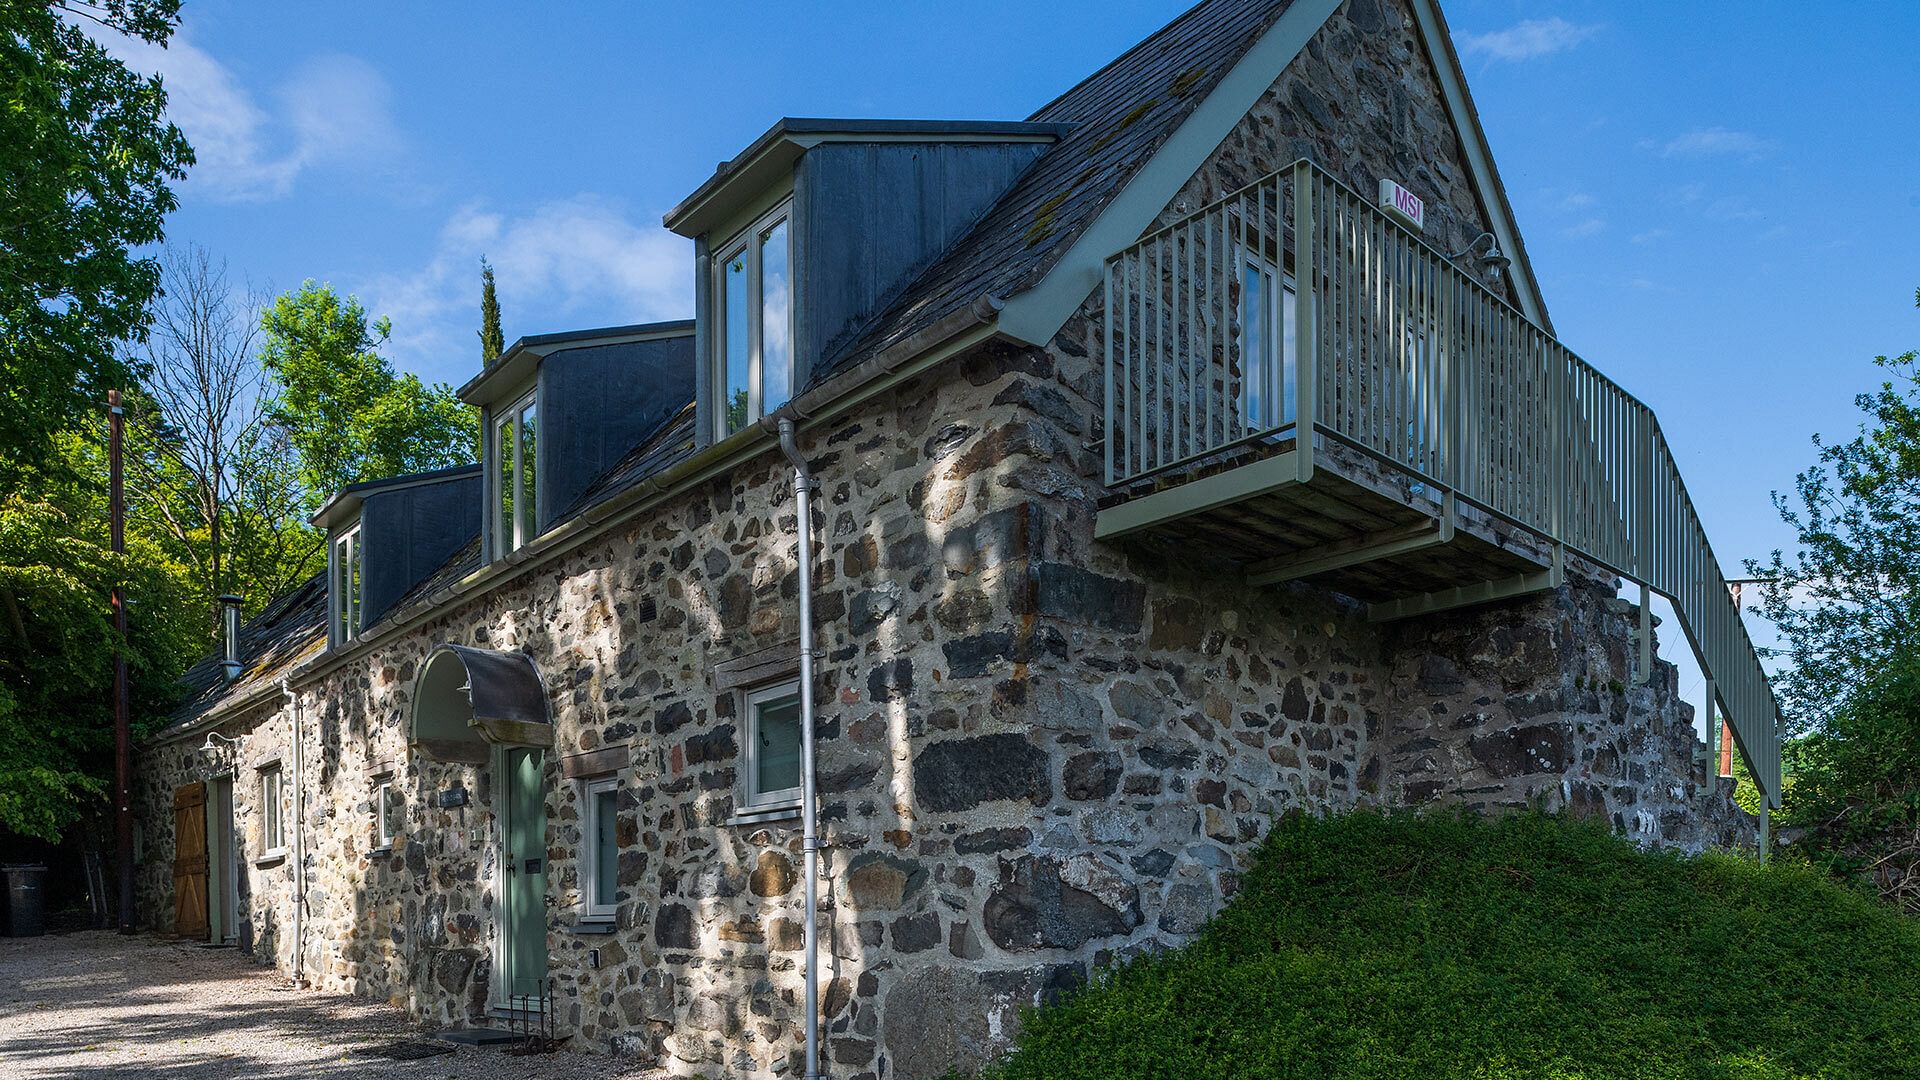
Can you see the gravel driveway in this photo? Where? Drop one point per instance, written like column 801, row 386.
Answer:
column 93, row 1002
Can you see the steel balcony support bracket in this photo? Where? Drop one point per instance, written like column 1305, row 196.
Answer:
column 1466, row 595
column 1361, row 549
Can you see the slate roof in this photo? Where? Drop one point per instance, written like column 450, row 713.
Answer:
column 287, row 630
column 1120, row 116
column 294, row 626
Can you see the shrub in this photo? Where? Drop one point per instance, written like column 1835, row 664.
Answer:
column 1856, row 789
column 1441, row 945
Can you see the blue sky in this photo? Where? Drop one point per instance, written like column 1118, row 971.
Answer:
column 1720, row 199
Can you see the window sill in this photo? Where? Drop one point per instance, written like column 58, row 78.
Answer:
column 760, row 815
column 594, row 927
column 271, row 858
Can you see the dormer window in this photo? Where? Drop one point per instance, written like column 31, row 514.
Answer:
column 344, row 576
column 753, row 301
column 514, row 453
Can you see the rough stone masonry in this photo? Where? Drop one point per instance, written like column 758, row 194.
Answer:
column 1038, row 754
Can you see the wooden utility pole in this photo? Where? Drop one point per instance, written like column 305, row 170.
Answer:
column 122, row 722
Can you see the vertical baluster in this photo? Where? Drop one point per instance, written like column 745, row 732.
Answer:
column 1189, row 354
column 1268, row 246
column 1127, row 344
column 1370, row 366
column 1351, row 348
column 1306, row 365
column 1230, row 329
column 1156, row 359
column 1106, row 347
column 1205, row 284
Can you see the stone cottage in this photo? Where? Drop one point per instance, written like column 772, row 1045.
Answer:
column 1193, row 451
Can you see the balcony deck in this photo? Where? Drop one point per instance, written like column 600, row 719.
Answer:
column 1298, row 383
column 1356, row 526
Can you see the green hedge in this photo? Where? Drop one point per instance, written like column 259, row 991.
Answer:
column 1426, row 946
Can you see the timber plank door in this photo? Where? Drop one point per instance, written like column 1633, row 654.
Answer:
column 190, row 860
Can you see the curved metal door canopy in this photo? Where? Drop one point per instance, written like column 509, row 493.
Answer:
column 466, row 700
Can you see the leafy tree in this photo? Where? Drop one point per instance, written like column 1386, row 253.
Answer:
column 1847, row 602
column 492, row 341
column 341, row 405
column 83, row 179
column 1847, row 599
column 56, row 654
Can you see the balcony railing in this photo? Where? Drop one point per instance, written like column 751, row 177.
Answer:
column 1295, row 307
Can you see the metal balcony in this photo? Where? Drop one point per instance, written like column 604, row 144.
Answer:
column 1296, row 380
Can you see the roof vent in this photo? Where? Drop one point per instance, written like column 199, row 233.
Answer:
column 230, row 613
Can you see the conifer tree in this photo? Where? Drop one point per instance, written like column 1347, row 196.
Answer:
column 492, row 342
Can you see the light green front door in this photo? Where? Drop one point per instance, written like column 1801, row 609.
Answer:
column 523, row 864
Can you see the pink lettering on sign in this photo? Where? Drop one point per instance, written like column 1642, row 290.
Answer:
column 1404, row 204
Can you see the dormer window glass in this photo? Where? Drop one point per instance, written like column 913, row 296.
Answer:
column 753, row 347
column 344, row 574
column 514, row 450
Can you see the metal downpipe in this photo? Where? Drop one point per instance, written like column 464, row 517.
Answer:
column 299, row 843
column 810, row 838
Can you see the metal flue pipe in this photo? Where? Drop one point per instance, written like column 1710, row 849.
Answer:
column 810, row 837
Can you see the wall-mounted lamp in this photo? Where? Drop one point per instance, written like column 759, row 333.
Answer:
column 208, row 747
column 1493, row 260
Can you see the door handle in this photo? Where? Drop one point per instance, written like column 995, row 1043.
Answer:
column 512, row 864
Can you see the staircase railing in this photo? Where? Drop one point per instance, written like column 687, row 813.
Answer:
column 1213, row 344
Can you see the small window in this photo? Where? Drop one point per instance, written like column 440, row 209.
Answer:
column 516, row 491
column 773, row 746
column 753, row 350
column 600, row 850
column 272, row 791
column 345, row 594
column 389, row 814
column 1265, row 316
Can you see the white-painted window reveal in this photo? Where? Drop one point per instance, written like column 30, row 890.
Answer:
column 600, row 854
column 273, row 790
column 753, row 302
column 514, row 446
column 773, row 746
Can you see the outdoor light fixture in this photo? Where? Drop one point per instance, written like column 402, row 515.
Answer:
column 1494, row 260
column 208, row 747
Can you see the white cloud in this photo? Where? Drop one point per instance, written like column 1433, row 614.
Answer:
column 1527, row 40
column 330, row 110
column 568, row 264
column 1712, row 142
column 1585, row 228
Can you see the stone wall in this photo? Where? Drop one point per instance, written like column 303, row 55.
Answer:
column 1037, row 753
